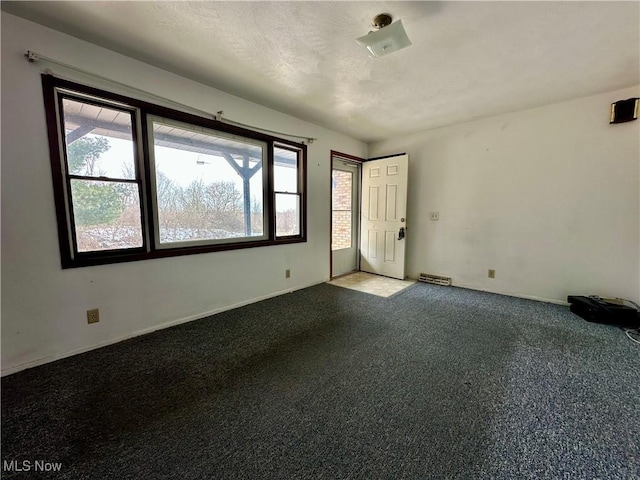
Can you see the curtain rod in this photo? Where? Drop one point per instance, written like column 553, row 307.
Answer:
column 34, row 57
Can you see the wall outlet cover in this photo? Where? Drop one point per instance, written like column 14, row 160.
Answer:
column 93, row 316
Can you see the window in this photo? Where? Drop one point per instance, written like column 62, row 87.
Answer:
column 133, row 180
column 100, row 173
column 341, row 206
column 287, row 191
column 209, row 189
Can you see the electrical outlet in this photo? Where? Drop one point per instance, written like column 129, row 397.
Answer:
column 93, row 316
column 287, row 273
column 491, row 274
column 434, row 216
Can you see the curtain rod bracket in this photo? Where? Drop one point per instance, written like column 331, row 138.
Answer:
column 32, row 56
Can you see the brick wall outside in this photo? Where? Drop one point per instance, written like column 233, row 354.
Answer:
column 341, row 214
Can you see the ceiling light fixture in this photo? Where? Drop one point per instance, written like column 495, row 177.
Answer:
column 388, row 38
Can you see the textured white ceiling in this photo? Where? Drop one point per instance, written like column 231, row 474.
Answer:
column 468, row 59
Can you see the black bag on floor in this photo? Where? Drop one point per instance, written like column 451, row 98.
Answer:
column 604, row 310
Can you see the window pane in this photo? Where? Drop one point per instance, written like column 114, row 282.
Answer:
column 341, row 191
column 99, row 141
column 208, row 187
column 342, row 199
column 287, row 214
column 106, row 215
column 285, row 177
column 340, row 230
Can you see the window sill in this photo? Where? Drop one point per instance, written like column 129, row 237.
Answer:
column 111, row 257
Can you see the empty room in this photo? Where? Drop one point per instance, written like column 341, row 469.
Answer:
column 304, row 240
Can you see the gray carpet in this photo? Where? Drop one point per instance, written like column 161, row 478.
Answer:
column 330, row 383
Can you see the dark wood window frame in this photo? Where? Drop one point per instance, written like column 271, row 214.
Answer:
column 55, row 89
column 299, row 193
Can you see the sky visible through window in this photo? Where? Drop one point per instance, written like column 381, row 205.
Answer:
column 184, row 167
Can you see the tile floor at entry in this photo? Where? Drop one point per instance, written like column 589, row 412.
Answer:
column 370, row 283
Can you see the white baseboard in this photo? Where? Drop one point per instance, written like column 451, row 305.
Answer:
column 512, row 294
column 59, row 356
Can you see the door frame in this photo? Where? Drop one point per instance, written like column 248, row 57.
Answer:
column 360, row 161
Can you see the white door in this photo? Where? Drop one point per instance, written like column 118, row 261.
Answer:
column 345, row 214
column 383, row 219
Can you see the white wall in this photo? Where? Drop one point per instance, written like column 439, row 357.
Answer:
column 43, row 306
column 548, row 197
